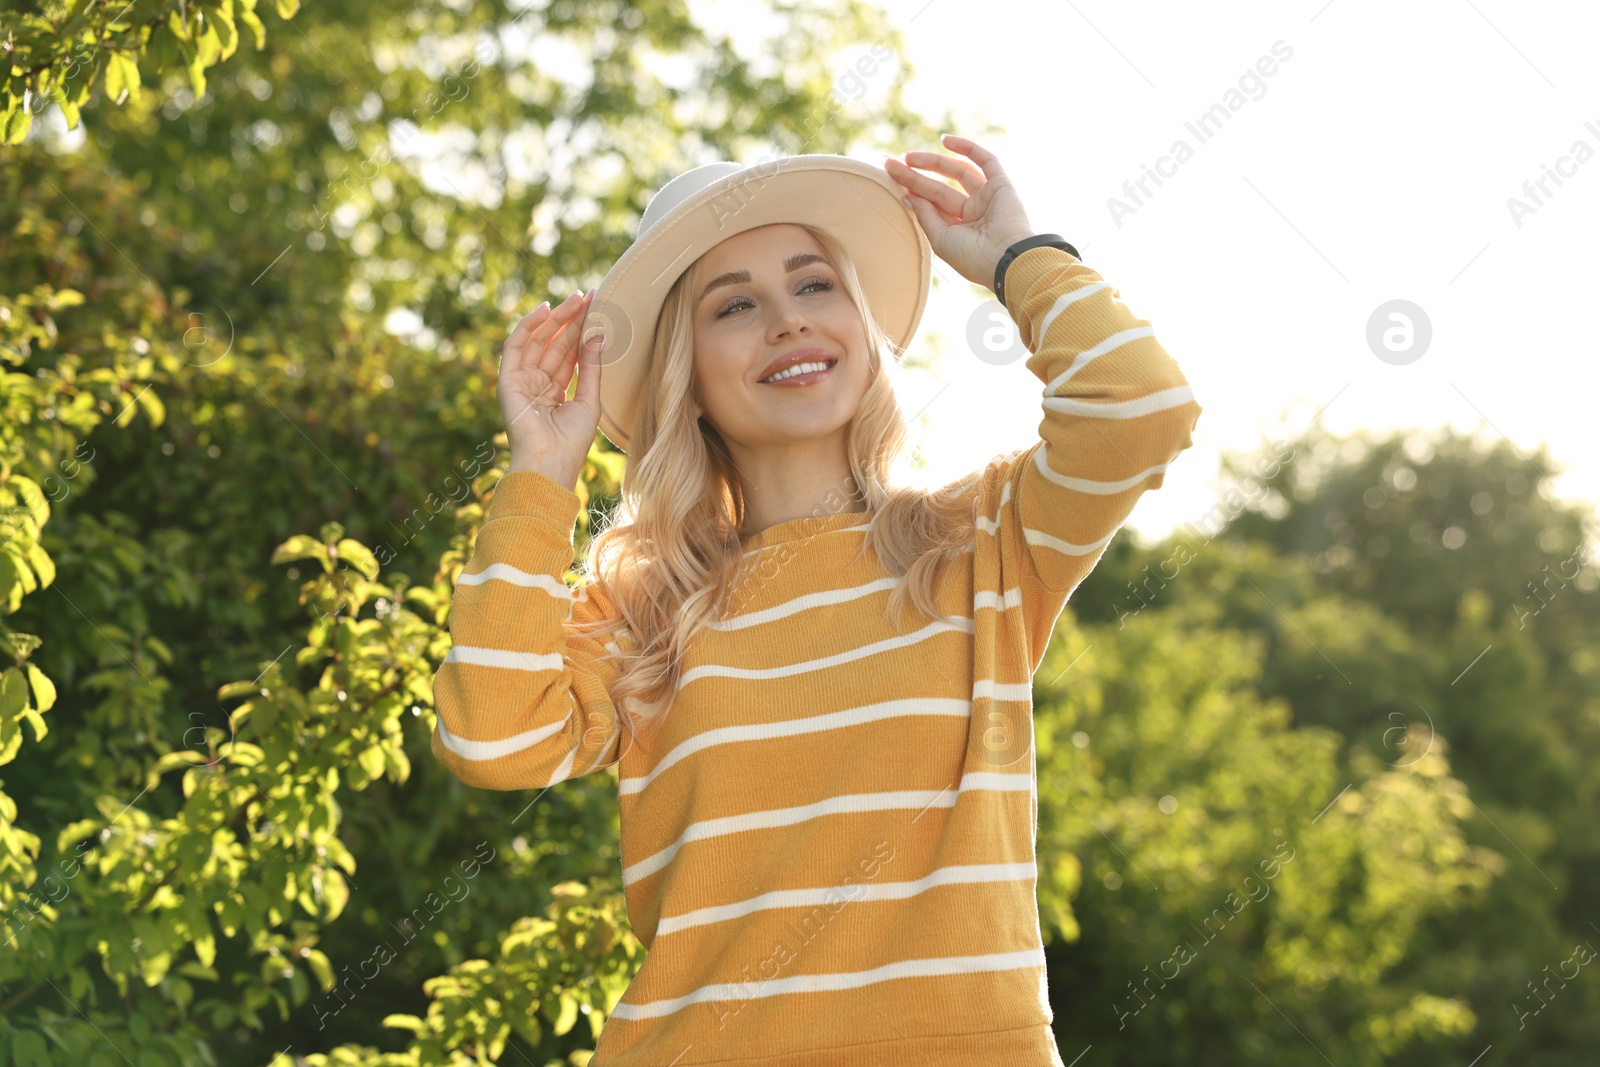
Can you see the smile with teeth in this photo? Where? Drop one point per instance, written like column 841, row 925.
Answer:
column 798, row 369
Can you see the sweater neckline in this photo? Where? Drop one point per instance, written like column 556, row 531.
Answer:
column 804, row 526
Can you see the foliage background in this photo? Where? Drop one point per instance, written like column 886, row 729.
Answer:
column 1317, row 773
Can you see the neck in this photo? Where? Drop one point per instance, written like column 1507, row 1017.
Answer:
column 792, row 481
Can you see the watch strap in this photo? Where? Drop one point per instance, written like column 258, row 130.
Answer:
column 1039, row 240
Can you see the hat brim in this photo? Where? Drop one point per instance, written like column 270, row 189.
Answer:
column 855, row 202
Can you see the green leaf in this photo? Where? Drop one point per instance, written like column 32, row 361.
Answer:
column 405, row 1022
column 358, row 556
column 176, row 24
column 177, row 758
column 237, row 688
column 29, row 1049
column 14, row 694
column 221, row 20
column 69, row 108
column 253, row 23
column 372, row 761
column 44, row 690
column 335, row 894
column 162, row 48
column 303, row 546
column 197, row 76
column 153, row 407
column 320, row 967
column 569, row 1014
column 15, row 123
column 208, row 46
column 43, row 565
column 122, row 77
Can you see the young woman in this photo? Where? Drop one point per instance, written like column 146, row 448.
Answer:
column 814, row 686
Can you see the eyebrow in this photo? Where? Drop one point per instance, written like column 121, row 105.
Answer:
column 740, row 277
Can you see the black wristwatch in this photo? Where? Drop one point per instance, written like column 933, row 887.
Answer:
column 1053, row 240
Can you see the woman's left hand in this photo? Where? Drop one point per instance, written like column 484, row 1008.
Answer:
column 968, row 230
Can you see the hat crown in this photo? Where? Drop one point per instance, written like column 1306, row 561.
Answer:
column 854, row 202
column 681, row 188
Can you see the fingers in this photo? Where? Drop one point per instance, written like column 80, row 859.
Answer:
column 529, row 342
column 572, row 349
column 977, row 153
column 562, row 351
column 970, row 177
column 518, row 338
column 936, row 192
column 588, row 392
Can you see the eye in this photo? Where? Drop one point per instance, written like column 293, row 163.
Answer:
column 731, row 305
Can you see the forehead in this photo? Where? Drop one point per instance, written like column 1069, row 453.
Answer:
column 761, row 247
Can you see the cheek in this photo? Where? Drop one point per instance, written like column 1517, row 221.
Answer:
column 714, row 380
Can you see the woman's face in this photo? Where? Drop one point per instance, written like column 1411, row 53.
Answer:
column 761, row 295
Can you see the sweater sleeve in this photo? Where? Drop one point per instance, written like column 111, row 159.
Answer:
column 1117, row 412
column 520, row 703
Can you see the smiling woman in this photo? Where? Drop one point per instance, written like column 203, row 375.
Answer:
column 780, row 366
column 738, row 651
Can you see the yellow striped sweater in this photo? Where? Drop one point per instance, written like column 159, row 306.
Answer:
column 828, row 849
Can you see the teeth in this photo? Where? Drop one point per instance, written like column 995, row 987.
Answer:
column 798, row 368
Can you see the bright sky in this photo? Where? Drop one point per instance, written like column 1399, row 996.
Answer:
column 1373, row 164
column 1445, row 153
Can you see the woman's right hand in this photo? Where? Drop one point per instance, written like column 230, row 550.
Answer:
column 548, row 432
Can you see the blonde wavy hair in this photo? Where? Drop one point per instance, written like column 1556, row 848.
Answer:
column 670, row 558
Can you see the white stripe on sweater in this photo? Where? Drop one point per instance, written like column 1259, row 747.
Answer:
column 499, row 657
column 1067, row 299
column 833, row 720
column 988, row 598
column 802, row 603
column 1160, row 400
column 1090, row 485
column 850, row 803
column 843, row 529
column 505, row 572
column 1044, row 540
column 819, row 983
column 960, row 874
column 1110, row 344
column 717, row 670
column 487, row 750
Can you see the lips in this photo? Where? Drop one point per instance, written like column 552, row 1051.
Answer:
column 802, row 355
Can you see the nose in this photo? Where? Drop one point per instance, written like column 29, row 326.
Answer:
column 791, row 319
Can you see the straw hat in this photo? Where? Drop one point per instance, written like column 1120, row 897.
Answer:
column 856, row 203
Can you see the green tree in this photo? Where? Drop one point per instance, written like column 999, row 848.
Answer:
column 60, row 53
column 1402, row 637
column 250, row 340
column 1211, row 864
